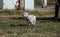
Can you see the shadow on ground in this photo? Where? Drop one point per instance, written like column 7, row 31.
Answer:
column 40, row 18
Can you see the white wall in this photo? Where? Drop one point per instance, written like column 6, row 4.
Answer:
column 29, row 4
column 9, row 4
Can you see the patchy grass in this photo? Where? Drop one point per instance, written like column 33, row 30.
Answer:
column 19, row 13
column 10, row 12
column 43, row 28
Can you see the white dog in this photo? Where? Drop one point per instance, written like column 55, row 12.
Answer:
column 30, row 18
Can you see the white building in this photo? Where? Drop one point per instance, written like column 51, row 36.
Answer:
column 10, row 4
column 7, row 4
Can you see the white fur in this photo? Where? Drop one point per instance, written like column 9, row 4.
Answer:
column 31, row 18
column 25, row 14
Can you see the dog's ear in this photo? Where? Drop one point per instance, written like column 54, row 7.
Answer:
column 25, row 14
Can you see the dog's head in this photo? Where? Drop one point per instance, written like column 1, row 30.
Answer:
column 25, row 14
